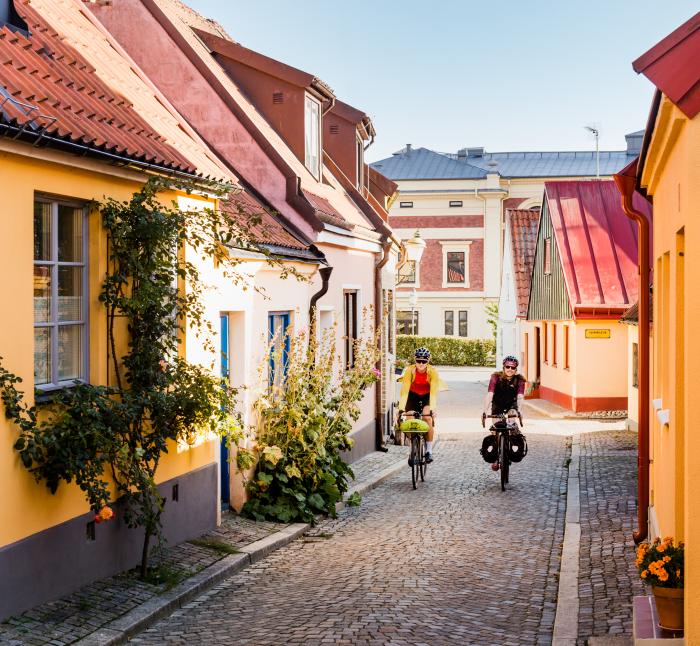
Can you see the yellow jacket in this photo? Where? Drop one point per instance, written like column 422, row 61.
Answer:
column 436, row 384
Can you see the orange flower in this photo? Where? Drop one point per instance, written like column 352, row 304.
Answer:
column 104, row 514
column 644, row 574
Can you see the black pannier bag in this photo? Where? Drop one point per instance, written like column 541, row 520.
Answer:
column 489, row 450
column 518, row 447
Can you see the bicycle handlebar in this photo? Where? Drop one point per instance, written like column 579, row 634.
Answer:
column 414, row 413
column 502, row 417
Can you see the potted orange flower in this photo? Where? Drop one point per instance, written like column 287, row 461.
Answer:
column 660, row 564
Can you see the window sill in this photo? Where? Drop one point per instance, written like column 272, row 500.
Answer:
column 456, row 285
column 50, row 393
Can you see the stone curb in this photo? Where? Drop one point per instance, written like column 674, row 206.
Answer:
column 566, row 618
column 120, row 630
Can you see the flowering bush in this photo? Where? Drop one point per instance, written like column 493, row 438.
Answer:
column 661, row 563
column 303, row 425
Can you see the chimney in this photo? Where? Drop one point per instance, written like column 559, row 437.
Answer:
column 462, row 153
column 408, row 148
column 475, row 152
column 634, row 142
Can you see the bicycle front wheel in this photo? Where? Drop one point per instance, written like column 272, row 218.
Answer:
column 415, row 458
column 423, row 463
column 503, row 460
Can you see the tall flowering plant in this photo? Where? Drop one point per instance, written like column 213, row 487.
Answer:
column 660, row 563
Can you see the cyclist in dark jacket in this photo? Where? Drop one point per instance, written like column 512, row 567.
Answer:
column 506, row 390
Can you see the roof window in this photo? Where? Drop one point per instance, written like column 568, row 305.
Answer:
column 10, row 18
column 455, row 203
column 405, row 205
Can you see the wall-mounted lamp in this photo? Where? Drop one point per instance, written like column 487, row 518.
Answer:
column 411, row 250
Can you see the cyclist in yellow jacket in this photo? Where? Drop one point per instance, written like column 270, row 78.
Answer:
column 420, row 384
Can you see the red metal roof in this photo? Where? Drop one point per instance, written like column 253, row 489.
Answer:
column 672, row 66
column 597, row 243
column 523, row 238
column 269, row 230
column 50, row 89
column 326, row 212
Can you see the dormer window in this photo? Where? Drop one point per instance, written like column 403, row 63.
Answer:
column 312, row 136
column 360, row 158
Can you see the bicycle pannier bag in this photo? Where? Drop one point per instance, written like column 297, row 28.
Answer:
column 518, row 447
column 489, row 450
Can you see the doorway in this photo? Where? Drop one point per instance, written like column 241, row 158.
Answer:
column 537, row 354
column 224, row 349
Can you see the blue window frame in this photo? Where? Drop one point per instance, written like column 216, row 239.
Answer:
column 225, row 373
column 278, row 322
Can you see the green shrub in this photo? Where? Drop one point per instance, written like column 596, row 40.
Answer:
column 447, row 350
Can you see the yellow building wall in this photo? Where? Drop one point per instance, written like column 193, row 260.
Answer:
column 632, row 390
column 27, row 507
column 600, row 363
column 672, row 176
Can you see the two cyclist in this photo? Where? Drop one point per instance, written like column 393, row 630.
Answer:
column 420, row 384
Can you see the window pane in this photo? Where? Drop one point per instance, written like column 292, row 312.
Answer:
column 407, row 272
column 42, row 231
column 70, row 352
column 463, row 323
column 449, row 322
column 70, row 234
column 42, row 294
column 42, row 355
column 455, row 266
column 70, row 293
column 311, row 138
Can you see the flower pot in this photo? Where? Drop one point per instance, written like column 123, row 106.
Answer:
column 669, row 606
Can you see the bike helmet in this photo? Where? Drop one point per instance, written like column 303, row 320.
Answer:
column 512, row 359
column 422, row 353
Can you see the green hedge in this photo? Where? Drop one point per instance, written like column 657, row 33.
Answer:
column 447, row 350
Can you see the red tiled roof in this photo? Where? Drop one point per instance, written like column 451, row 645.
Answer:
column 50, row 89
column 326, row 212
column 269, row 230
column 672, row 66
column 523, row 238
column 597, row 242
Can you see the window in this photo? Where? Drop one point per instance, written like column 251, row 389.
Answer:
column 350, row 327
column 312, row 139
column 463, row 323
column 544, row 339
column 455, row 267
column 60, row 294
column 455, row 263
column 360, row 163
column 449, row 322
column 407, row 322
column 405, row 205
column 455, row 203
column 635, row 365
column 566, row 347
column 554, row 344
column 278, row 324
column 547, row 256
column 407, row 272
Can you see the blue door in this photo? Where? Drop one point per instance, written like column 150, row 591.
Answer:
column 278, row 322
column 225, row 372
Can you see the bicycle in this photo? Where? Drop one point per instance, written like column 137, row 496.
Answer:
column 503, row 434
column 415, row 429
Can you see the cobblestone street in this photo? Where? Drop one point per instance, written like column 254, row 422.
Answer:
column 456, row 561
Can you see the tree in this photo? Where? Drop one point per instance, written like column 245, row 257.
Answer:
column 492, row 317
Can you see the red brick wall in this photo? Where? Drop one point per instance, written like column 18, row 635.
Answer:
column 446, row 221
column 431, row 268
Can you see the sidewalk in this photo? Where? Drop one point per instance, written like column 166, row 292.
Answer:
column 554, row 411
column 112, row 610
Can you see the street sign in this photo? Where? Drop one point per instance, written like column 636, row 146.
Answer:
column 597, row 334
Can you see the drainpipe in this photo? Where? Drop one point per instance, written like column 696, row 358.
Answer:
column 378, row 315
column 325, row 273
column 626, row 180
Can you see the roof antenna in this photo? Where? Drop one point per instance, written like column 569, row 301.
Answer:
column 596, row 134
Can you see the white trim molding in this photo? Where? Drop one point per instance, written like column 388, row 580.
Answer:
column 452, row 246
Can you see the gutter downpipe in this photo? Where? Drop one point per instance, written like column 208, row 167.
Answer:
column 378, row 315
column 626, row 185
column 325, row 273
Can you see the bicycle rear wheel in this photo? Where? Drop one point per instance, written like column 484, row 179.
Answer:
column 503, row 459
column 423, row 463
column 415, row 458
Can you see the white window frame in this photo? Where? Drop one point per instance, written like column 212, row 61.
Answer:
column 310, row 103
column 54, row 264
column 454, row 327
column 458, row 246
column 409, row 283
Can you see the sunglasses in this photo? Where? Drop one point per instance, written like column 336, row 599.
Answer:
column 421, row 361
column 509, row 367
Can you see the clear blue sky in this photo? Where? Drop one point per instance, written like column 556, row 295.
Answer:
column 445, row 74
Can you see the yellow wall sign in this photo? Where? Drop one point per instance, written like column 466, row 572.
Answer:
column 597, row 334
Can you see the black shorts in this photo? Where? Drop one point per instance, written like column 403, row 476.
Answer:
column 417, row 402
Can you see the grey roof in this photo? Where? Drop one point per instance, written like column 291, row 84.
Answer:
column 421, row 163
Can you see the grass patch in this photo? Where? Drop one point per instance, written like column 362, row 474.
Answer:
column 164, row 575
column 213, row 544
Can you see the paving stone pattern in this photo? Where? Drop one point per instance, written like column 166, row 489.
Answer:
column 455, row 562
column 608, row 578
